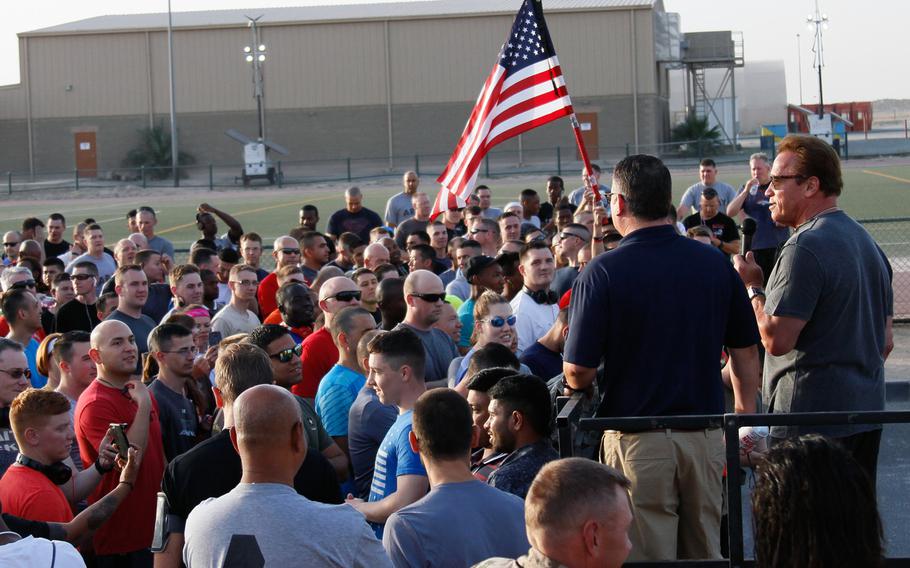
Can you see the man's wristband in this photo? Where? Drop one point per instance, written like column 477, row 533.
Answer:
column 755, row 291
column 100, row 469
column 598, row 239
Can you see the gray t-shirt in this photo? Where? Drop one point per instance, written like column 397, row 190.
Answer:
column 398, row 208
column 692, row 196
column 106, row 267
column 440, row 350
column 162, row 245
column 833, row 276
column 141, row 328
column 455, row 525
column 269, row 524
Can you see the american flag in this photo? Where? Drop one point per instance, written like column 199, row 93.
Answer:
column 525, row 90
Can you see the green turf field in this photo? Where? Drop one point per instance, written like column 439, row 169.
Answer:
column 870, row 192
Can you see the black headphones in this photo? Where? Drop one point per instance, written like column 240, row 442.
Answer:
column 59, row 473
column 545, row 296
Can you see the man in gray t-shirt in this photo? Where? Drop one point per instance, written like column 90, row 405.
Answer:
column 424, row 295
column 826, row 321
column 399, row 208
column 461, row 521
column 263, row 521
column 691, row 199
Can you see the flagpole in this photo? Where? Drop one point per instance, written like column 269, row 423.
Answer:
column 579, row 141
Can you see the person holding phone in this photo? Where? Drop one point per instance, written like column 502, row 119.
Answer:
column 115, row 397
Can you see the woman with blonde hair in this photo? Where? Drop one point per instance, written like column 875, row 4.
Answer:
column 493, row 323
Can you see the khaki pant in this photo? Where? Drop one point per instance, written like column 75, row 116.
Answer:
column 677, row 488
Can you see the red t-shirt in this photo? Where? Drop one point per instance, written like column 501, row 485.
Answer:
column 319, row 355
column 29, row 494
column 4, row 330
column 301, row 332
column 132, row 525
column 265, row 294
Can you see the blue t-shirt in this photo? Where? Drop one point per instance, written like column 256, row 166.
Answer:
column 368, row 422
column 334, row 397
column 31, row 354
column 767, row 234
column 394, row 458
column 544, row 363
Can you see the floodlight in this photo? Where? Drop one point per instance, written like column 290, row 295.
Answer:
column 262, row 58
column 249, row 58
column 247, row 49
column 261, row 47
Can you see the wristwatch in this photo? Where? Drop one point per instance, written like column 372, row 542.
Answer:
column 755, row 291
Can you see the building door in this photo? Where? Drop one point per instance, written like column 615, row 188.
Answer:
column 86, row 154
column 588, row 122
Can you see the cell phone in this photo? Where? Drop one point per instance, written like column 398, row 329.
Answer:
column 118, row 431
column 214, row 338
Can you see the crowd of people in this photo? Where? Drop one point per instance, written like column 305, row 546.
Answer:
column 383, row 393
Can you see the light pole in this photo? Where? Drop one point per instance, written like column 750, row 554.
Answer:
column 818, row 22
column 799, row 67
column 255, row 54
column 170, row 72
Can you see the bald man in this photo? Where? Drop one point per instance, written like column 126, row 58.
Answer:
column 577, row 513
column 354, row 218
column 374, row 255
column 319, row 350
column 264, row 517
column 286, row 252
column 115, row 396
column 424, row 295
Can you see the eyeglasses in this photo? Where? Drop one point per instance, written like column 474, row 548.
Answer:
column 776, row 180
column 431, row 298
column 22, row 284
column 184, row 351
column 18, row 373
column 608, row 194
column 346, row 296
column 499, row 321
column 246, row 282
column 81, row 277
column 289, row 251
column 285, row 355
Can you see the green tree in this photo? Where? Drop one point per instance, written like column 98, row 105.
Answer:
column 154, row 153
column 696, row 137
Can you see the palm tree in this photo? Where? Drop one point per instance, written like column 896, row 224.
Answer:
column 696, row 137
column 154, row 154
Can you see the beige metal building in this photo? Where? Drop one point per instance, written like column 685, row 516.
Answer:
column 340, row 81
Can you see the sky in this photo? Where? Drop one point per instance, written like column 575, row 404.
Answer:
column 861, row 45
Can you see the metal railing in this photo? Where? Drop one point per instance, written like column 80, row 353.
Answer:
column 568, row 423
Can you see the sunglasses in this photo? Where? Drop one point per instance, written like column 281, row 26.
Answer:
column 246, row 283
column 499, row 321
column 776, row 180
column 346, row 296
column 81, row 277
column 289, row 251
column 431, row 298
column 475, row 231
column 285, row 355
column 18, row 373
column 10, row 244
column 22, row 285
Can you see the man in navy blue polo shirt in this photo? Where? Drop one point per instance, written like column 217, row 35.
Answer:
column 661, row 357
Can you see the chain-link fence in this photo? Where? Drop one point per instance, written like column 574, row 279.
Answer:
column 893, row 236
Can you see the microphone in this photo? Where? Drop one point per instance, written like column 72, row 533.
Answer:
column 748, row 228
